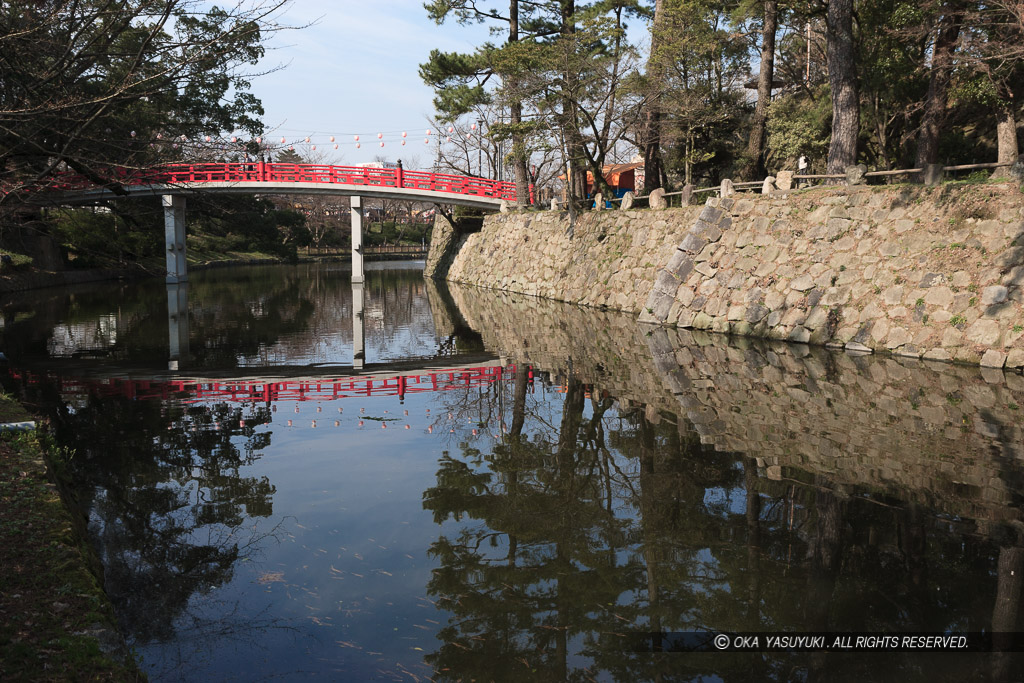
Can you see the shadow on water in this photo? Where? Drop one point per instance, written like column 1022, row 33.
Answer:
column 611, row 487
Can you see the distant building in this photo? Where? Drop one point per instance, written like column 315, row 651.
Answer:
column 377, row 164
column 622, row 177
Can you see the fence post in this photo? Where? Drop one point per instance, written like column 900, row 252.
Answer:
column 399, row 180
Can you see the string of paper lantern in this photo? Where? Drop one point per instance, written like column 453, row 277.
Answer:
column 313, row 140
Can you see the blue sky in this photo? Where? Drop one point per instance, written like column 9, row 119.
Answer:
column 355, row 71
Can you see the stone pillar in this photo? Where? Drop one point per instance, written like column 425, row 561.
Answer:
column 627, row 201
column 855, row 174
column 687, row 194
column 598, row 202
column 784, row 180
column 768, row 186
column 358, row 274
column 657, row 199
column 177, row 324
column 174, row 238
column 727, row 189
column 358, row 330
column 932, row 174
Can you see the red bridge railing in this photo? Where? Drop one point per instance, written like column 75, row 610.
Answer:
column 271, row 391
column 260, row 172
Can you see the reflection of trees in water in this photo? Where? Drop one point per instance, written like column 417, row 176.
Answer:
column 613, row 520
column 237, row 317
column 170, row 507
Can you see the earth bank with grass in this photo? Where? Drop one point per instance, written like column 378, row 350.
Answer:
column 56, row 623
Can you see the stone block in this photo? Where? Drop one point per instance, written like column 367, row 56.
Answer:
column 667, row 282
column 984, row 332
column 703, row 321
column 996, row 294
column 802, row 283
column 693, row 244
column 680, row 265
column 993, row 359
column 756, row 314
column 1015, row 358
column 742, row 206
column 627, row 202
column 939, row 296
column 710, row 214
column 727, row 189
column 708, row 231
column 898, row 336
column 768, row 186
column 800, row 335
column 659, row 304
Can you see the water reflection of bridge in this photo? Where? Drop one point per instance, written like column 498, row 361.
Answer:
column 269, row 390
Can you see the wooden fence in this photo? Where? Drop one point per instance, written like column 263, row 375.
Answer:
column 932, row 175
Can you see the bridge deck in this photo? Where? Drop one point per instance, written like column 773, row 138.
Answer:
column 274, row 178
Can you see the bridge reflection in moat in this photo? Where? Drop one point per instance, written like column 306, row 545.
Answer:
column 635, row 480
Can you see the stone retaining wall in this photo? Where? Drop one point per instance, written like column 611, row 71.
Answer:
column 608, row 259
column 915, row 271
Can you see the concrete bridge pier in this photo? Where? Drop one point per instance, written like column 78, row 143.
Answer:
column 358, row 330
column 357, row 239
column 177, row 324
column 174, row 238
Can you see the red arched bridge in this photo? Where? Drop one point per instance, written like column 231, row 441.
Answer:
column 174, row 182
column 277, row 178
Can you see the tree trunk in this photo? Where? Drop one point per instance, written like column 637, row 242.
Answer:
column 938, row 85
column 650, row 133
column 755, row 168
column 577, row 174
column 519, row 155
column 842, row 76
column 1005, row 612
column 1006, row 136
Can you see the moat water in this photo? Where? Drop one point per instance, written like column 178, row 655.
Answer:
column 410, row 481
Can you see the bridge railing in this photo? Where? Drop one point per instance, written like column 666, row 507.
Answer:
column 196, row 174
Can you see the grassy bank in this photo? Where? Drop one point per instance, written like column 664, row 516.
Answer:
column 55, row 621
